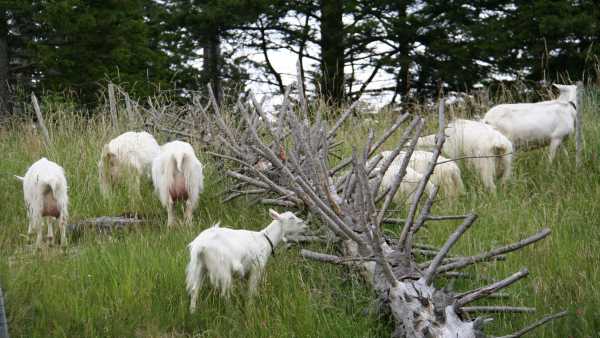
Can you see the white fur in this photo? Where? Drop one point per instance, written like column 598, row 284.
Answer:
column 445, row 174
column 480, row 141
column 531, row 125
column 177, row 168
column 45, row 190
column 220, row 254
column 130, row 152
column 408, row 185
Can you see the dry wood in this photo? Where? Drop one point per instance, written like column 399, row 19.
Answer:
column 321, row 257
column 130, row 113
column 105, row 224
column 389, row 132
column 112, row 103
column 497, row 309
column 423, row 216
column 40, row 120
column 298, row 148
column 535, row 325
column 401, row 172
column 428, row 218
column 281, row 203
column 407, row 230
column 465, row 261
column 474, row 295
column 301, row 95
column 308, row 239
column 332, row 132
column 431, row 270
column 374, row 229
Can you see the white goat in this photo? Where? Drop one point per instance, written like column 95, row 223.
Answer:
column 220, row 253
column 177, row 176
column 130, row 152
column 533, row 125
column 45, row 192
column 487, row 150
column 408, row 185
column 446, row 174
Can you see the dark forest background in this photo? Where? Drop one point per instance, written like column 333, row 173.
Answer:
column 76, row 46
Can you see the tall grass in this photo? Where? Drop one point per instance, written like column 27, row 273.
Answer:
column 131, row 283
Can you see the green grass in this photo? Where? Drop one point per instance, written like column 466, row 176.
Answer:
column 131, row 284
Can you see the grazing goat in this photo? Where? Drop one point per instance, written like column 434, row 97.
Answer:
column 446, row 174
column 130, row 152
column 45, row 192
column 177, row 176
column 220, row 253
column 533, row 125
column 487, row 150
column 408, row 185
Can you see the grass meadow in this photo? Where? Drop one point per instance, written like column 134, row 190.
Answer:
column 131, row 283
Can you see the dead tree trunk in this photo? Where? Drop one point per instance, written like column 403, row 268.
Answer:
column 352, row 209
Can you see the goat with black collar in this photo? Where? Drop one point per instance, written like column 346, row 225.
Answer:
column 220, row 253
column 534, row 125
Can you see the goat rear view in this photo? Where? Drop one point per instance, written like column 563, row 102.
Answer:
column 45, row 192
column 177, row 176
column 219, row 254
column 487, row 150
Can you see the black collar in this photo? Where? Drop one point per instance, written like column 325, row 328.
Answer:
column 573, row 105
column 270, row 244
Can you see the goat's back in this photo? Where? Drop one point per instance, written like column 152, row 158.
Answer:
column 135, row 149
column 533, row 124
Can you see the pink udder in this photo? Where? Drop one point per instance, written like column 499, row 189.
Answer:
column 178, row 190
column 50, row 206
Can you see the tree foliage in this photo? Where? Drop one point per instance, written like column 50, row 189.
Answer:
column 422, row 46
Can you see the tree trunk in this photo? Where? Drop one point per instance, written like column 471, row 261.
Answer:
column 404, row 40
column 212, row 63
column 332, row 51
column 4, row 99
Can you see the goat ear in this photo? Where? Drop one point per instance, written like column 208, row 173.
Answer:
column 556, row 85
column 274, row 215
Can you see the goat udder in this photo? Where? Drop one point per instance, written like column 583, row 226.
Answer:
column 50, row 206
column 178, row 190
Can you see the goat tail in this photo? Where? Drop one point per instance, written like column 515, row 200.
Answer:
column 59, row 190
column 504, row 163
column 194, row 268
column 179, row 159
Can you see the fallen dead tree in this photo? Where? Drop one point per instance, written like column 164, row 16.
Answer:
column 296, row 150
column 104, row 224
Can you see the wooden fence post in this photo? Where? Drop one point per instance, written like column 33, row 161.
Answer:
column 112, row 102
column 40, row 118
